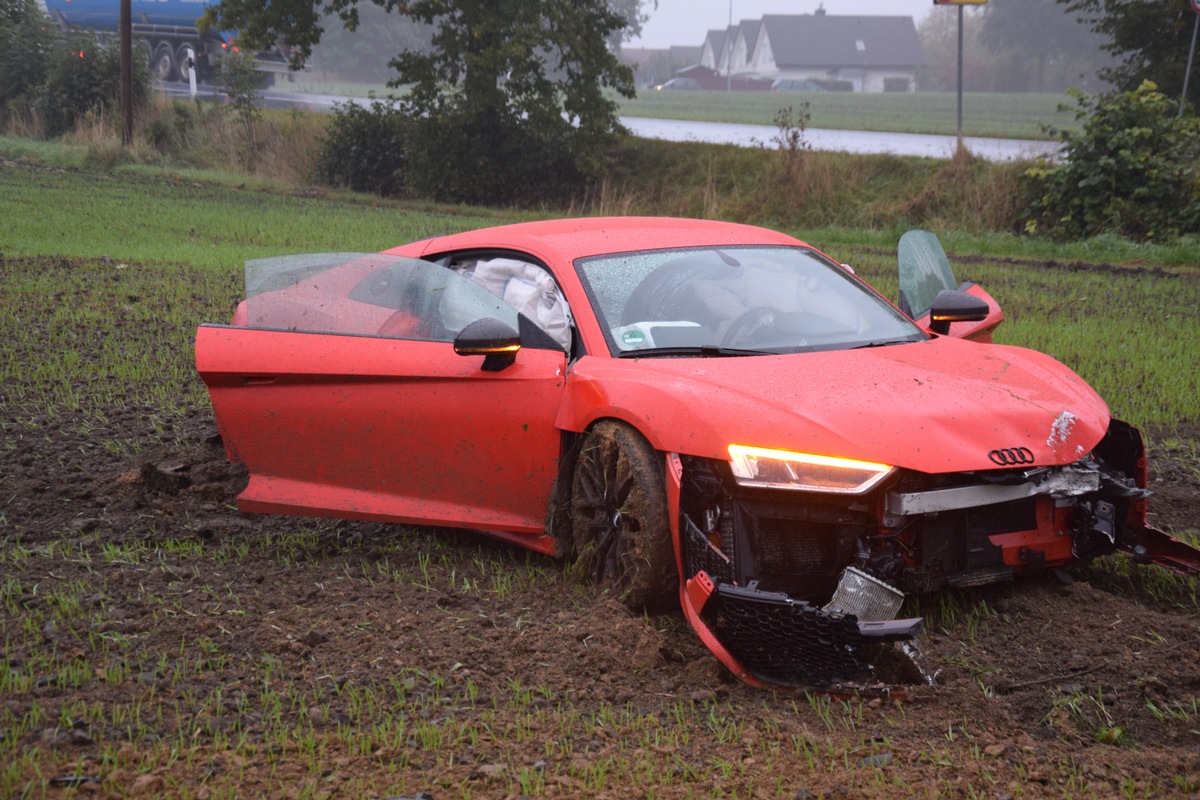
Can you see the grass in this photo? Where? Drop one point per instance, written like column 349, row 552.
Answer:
column 192, row 716
column 165, row 246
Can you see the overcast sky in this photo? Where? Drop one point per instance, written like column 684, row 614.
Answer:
column 686, row 22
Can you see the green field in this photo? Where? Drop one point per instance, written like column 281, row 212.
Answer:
column 165, row 645
column 1008, row 116
column 1126, row 330
column 989, row 114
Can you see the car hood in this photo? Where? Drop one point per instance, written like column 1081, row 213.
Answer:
column 937, row 406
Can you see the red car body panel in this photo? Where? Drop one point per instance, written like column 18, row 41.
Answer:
column 947, row 404
column 320, row 434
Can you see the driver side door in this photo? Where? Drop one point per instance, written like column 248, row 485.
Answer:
column 343, row 396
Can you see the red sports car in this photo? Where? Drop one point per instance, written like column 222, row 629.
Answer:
column 691, row 409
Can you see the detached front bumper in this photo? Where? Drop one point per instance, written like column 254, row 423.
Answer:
column 770, row 638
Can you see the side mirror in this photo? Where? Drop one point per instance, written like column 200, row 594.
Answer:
column 496, row 341
column 952, row 305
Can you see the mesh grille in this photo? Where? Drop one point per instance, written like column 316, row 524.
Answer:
column 780, row 640
column 790, row 548
column 700, row 555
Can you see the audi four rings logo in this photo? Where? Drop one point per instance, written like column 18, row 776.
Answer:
column 1011, row 456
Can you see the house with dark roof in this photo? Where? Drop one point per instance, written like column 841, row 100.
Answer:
column 867, row 54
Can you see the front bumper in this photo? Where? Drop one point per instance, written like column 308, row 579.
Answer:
column 760, row 570
column 777, row 640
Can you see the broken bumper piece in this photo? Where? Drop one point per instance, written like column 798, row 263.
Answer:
column 773, row 639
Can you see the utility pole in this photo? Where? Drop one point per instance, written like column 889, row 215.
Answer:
column 960, row 4
column 1191, row 53
column 126, row 25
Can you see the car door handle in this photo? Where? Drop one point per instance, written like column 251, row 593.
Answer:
column 258, row 380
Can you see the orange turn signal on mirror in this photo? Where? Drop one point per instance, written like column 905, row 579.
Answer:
column 784, row 469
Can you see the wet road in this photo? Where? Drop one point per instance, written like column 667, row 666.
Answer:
column 903, row 144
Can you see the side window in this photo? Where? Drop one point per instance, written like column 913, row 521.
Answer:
column 367, row 294
column 526, row 287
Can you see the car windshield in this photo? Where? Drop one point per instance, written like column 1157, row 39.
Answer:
column 736, row 301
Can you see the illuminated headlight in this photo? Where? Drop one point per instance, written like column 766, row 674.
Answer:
column 782, row 469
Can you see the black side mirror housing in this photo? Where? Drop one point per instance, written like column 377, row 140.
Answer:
column 496, row 341
column 954, row 305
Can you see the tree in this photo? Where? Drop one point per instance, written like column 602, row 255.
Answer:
column 25, row 45
column 1062, row 51
column 363, row 54
column 939, row 39
column 510, row 97
column 635, row 18
column 1150, row 38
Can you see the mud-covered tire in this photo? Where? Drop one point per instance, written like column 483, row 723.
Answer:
column 620, row 531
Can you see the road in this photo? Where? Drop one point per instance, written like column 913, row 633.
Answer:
column 901, row 144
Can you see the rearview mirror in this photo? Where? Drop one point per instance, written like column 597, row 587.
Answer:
column 496, row 341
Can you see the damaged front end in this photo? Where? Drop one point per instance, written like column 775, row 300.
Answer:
column 801, row 588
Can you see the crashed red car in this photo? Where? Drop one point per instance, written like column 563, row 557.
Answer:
column 691, row 409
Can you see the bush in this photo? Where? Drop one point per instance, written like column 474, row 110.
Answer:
column 61, row 76
column 84, row 77
column 448, row 158
column 25, row 46
column 488, row 160
column 1133, row 169
column 365, row 149
column 897, row 84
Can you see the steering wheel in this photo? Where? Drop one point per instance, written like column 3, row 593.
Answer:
column 749, row 323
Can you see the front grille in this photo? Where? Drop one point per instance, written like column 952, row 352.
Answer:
column 785, row 641
column 959, row 540
column 791, row 548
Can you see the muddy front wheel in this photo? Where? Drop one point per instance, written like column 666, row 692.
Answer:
column 619, row 523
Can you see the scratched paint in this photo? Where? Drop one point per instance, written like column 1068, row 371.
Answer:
column 1060, row 430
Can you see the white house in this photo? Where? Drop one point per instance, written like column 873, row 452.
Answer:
column 868, row 53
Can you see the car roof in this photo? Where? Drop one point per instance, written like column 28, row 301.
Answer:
column 587, row 236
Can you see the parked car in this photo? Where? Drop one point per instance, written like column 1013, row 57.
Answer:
column 692, row 410
column 678, row 83
column 794, row 85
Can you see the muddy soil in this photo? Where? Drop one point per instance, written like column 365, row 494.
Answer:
column 1080, row 684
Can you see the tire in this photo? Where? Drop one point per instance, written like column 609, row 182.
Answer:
column 620, row 532
column 181, row 60
column 162, row 64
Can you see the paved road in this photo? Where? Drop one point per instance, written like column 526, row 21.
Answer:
column 903, row 144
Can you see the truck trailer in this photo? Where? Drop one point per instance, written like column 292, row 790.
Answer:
column 168, row 27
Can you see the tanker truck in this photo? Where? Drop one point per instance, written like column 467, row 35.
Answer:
column 168, row 27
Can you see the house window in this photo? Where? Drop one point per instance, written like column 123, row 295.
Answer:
column 860, row 45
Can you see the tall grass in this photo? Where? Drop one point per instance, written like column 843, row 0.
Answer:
column 781, row 183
